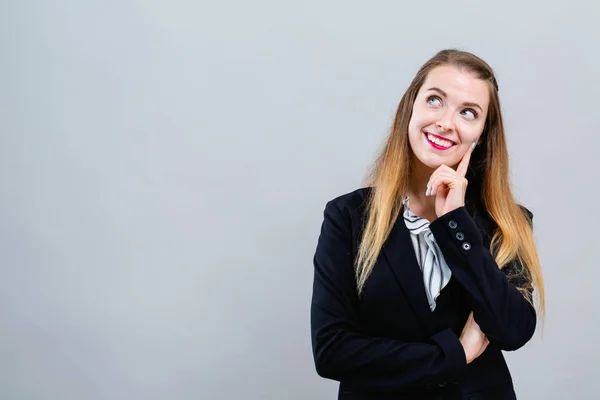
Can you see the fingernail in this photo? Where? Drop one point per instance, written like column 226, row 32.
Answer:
column 427, row 192
column 473, row 145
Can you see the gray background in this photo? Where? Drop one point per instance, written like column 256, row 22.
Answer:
column 164, row 167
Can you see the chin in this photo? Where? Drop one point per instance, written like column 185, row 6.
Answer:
column 428, row 162
column 434, row 162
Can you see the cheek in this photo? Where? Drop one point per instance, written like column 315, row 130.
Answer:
column 418, row 120
column 470, row 132
column 475, row 135
column 414, row 130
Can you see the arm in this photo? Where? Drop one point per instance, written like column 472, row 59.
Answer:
column 503, row 313
column 342, row 352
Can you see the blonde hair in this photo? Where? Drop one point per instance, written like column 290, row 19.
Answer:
column 513, row 241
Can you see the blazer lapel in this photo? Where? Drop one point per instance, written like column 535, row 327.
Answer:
column 399, row 253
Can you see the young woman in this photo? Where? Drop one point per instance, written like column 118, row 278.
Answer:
column 423, row 277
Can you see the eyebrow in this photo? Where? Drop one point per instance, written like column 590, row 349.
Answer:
column 468, row 104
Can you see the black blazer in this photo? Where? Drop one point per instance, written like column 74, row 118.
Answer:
column 387, row 344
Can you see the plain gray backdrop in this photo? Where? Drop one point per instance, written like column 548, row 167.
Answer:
column 164, row 166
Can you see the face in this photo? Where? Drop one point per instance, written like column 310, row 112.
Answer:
column 448, row 116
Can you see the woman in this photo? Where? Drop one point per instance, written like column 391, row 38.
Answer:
column 426, row 275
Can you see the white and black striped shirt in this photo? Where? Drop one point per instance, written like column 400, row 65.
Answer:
column 436, row 273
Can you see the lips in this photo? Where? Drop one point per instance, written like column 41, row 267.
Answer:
column 439, row 146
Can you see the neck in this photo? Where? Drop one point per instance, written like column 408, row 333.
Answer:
column 418, row 186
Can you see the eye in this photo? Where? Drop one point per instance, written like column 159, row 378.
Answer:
column 434, row 100
column 470, row 113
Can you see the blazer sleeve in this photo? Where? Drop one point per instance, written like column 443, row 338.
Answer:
column 340, row 348
column 503, row 313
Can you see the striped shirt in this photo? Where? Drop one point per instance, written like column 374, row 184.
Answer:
column 436, row 273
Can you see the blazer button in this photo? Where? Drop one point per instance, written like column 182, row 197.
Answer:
column 466, row 246
column 442, row 384
column 460, row 236
column 452, row 224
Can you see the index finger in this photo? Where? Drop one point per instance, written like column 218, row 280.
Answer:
column 464, row 163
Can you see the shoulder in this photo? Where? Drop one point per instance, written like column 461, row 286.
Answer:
column 351, row 201
column 528, row 214
column 348, row 210
column 489, row 226
column 344, row 220
column 526, row 211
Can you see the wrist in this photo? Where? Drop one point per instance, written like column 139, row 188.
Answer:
column 469, row 355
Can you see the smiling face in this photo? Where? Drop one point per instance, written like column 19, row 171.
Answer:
column 448, row 115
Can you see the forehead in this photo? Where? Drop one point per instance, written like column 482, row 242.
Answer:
column 460, row 85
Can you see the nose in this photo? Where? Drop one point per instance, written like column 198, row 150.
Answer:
column 446, row 123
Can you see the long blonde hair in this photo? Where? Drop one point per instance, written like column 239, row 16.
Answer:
column 488, row 177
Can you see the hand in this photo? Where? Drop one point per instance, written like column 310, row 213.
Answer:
column 449, row 186
column 474, row 342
